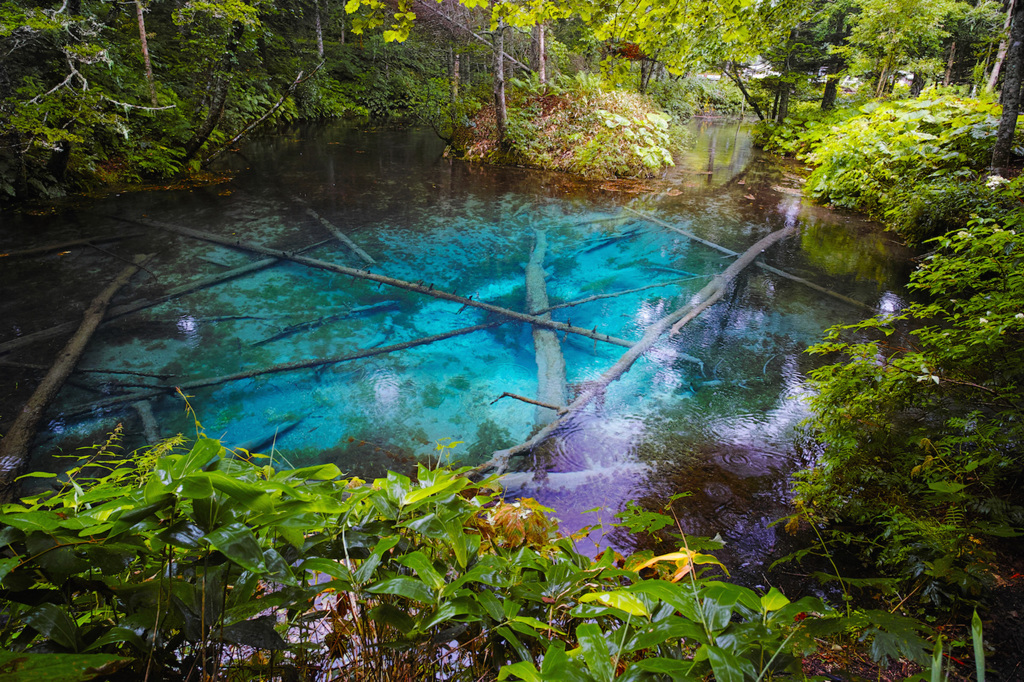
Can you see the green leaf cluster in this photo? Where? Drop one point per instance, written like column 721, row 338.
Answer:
column 920, row 418
column 187, row 561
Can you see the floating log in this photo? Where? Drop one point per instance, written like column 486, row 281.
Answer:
column 428, row 290
column 136, row 306
column 14, row 448
column 697, row 304
column 339, row 235
column 285, row 367
column 767, row 268
column 551, row 383
column 86, row 241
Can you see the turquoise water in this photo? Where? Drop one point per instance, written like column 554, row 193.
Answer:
column 724, row 433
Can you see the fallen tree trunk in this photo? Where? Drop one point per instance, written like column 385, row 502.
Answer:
column 285, row 367
column 46, row 248
column 136, row 306
column 701, row 301
column 90, row 370
column 418, row 287
column 14, row 448
column 551, row 382
column 338, row 234
column 767, row 268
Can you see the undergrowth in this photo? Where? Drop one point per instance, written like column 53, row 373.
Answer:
column 918, row 165
column 577, row 126
column 189, row 561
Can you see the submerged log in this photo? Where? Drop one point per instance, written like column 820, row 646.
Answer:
column 87, row 241
column 697, row 304
column 767, row 268
column 14, row 448
column 285, row 367
column 150, row 428
column 559, row 409
column 551, row 383
column 425, row 289
column 142, row 304
column 339, row 235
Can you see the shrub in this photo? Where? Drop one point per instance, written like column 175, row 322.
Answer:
column 921, row 429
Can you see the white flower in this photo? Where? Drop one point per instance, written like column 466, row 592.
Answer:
column 1019, row 316
column 984, row 321
column 995, row 181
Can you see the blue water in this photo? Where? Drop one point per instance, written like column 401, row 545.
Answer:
column 725, row 432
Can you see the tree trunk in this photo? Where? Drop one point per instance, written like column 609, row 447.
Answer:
column 763, row 266
column 735, row 78
column 551, row 382
column 783, row 111
column 319, row 30
column 949, row 65
column 145, row 51
column 993, row 79
column 1011, row 92
column 222, row 83
column 917, row 84
column 828, row 99
column 453, row 74
column 500, row 110
column 539, row 53
column 14, row 448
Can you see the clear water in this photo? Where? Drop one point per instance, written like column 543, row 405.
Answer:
column 725, row 433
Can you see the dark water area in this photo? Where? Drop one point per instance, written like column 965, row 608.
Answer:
column 724, row 433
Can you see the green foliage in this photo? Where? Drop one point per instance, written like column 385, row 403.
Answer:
column 190, row 560
column 690, row 96
column 914, row 164
column 575, row 125
column 921, row 429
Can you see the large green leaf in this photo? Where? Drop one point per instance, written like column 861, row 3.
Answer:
column 419, row 562
column 595, row 651
column 19, row 667
column 404, row 586
column 728, row 667
column 624, row 601
column 54, row 623
column 236, row 542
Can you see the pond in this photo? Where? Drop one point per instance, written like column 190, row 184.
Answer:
column 722, row 429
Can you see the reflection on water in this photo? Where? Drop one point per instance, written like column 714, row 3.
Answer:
column 721, row 430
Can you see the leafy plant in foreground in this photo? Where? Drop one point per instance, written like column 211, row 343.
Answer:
column 189, row 562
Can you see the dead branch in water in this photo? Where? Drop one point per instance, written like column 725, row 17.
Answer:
column 700, row 302
column 87, row 241
column 556, row 408
column 285, row 367
column 420, row 288
column 14, row 448
column 767, row 268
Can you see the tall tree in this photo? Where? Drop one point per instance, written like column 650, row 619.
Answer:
column 1001, row 152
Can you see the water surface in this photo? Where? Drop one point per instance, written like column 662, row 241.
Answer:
column 723, row 432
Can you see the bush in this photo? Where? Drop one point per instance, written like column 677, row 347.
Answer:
column 922, row 460
column 892, row 159
column 575, row 125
